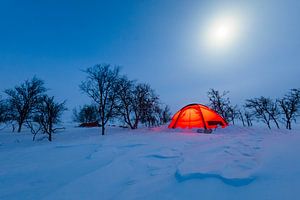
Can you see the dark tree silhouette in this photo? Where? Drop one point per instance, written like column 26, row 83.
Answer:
column 149, row 106
column 289, row 107
column 23, row 98
column 166, row 115
column 47, row 114
column 6, row 115
column 3, row 111
column 240, row 116
column 101, row 85
column 232, row 113
column 139, row 103
column 244, row 116
column 128, row 105
column 86, row 114
column 219, row 102
column 265, row 109
column 249, row 118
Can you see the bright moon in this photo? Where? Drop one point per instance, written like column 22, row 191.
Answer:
column 222, row 32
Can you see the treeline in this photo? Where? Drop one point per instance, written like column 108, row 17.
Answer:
column 284, row 110
column 113, row 97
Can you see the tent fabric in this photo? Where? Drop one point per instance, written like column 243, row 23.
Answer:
column 197, row 116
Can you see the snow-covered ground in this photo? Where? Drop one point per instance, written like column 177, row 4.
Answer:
column 233, row 163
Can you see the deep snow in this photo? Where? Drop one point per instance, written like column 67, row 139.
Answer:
column 233, row 163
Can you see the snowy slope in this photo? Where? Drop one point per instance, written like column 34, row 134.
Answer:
column 158, row 163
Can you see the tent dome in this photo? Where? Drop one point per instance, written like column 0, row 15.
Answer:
column 197, row 116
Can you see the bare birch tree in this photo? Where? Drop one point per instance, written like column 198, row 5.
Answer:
column 101, row 85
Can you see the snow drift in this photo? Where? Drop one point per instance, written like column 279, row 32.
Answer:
column 233, row 163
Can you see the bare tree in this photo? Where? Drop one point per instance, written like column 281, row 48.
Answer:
column 23, row 98
column 289, row 106
column 139, row 103
column 219, row 102
column 101, row 85
column 148, row 103
column 34, row 127
column 245, row 116
column 86, row 114
column 257, row 110
column 152, row 117
column 46, row 116
column 128, row 105
column 264, row 109
column 7, row 117
column 232, row 113
column 249, row 118
column 166, row 115
column 240, row 116
column 2, row 110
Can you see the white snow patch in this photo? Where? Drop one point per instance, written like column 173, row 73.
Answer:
column 158, row 163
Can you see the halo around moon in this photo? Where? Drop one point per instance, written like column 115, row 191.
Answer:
column 222, row 32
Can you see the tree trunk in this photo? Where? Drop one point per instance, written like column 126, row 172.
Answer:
column 34, row 135
column 50, row 137
column 242, row 119
column 102, row 129
column 129, row 123
column 269, row 125
column 136, row 123
column 277, row 125
column 288, row 125
column 20, row 127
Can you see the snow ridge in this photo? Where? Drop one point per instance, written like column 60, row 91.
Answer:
column 230, row 181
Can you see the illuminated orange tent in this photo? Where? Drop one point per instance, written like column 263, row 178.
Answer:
column 197, row 116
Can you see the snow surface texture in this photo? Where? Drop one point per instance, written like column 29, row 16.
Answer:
column 233, row 163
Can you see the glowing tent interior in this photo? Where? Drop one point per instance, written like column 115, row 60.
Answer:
column 197, row 116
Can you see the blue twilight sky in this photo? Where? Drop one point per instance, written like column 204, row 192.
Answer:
column 159, row 42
